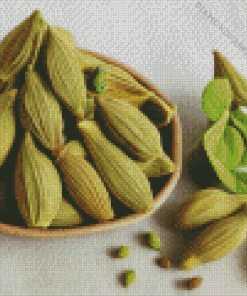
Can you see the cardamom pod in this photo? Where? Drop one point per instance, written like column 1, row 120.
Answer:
column 217, row 240
column 122, row 85
column 122, row 176
column 67, row 215
column 41, row 112
column 223, row 68
column 88, row 60
column 207, row 205
column 158, row 110
column 84, row 183
column 65, row 73
column 136, row 134
column 38, row 187
column 16, row 48
column 65, row 36
column 7, row 124
column 7, row 98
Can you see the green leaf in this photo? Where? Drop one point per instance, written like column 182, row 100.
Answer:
column 241, row 181
column 244, row 157
column 225, row 143
column 211, row 140
column 216, row 97
column 230, row 148
column 239, row 119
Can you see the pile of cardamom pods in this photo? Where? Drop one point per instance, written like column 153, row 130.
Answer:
column 42, row 73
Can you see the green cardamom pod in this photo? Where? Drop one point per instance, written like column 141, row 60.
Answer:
column 67, row 215
column 83, row 182
column 38, row 187
column 217, row 240
column 17, row 47
column 41, row 112
column 136, row 134
column 122, row 176
column 223, row 68
column 88, row 60
column 65, row 73
column 207, row 205
column 7, row 123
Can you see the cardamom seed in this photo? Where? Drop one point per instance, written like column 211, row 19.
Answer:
column 38, row 187
column 153, row 241
column 130, row 277
column 194, row 283
column 123, row 252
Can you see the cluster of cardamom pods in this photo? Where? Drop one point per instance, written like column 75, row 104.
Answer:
column 226, row 216
column 124, row 145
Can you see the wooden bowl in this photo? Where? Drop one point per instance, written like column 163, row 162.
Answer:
column 162, row 187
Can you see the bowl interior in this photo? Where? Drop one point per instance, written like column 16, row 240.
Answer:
column 12, row 223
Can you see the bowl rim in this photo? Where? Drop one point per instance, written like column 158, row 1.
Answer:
column 159, row 198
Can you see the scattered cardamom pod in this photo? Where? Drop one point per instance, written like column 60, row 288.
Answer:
column 67, row 215
column 7, row 124
column 41, row 112
column 209, row 204
column 123, row 252
column 223, row 68
column 136, row 134
column 65, row 73
column 83, row 182
column 122, row 176
column 130, row 277
column 217, row 240
column 38, row 187
column 17, row 47
column 153, row 241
